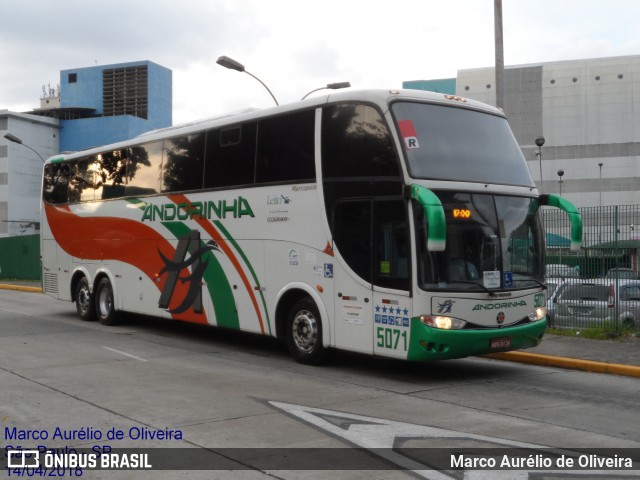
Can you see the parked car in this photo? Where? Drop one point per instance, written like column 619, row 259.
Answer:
column 591, row 303
column 622, row 273
column 559, row 270
column 555, row 286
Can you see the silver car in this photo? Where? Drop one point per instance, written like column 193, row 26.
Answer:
column 560, row 270
column 555, row 286
column 596, row 303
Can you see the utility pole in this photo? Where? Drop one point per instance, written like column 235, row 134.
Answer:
column 499, row 51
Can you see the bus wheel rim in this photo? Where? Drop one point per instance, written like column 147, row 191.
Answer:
column 84, row 298
column 104, row 302
column 305, row 331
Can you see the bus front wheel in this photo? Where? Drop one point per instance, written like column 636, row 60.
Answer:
column 84, row 301
column 104, row 303
column 304, row 333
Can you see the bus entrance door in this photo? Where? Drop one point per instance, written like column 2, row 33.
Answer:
column 353, row 313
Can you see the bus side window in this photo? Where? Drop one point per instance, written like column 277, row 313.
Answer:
column 358, row 158
column 285, row 148
column 230, row 156
column 183, row 163
column 56, row 182
column 144, row 169
column 111, row 171
column 82, row 182
column 356, row 143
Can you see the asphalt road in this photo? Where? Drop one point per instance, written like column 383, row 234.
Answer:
column 166, row 386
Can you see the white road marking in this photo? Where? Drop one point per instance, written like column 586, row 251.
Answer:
column 140, row 359
column 380, row 435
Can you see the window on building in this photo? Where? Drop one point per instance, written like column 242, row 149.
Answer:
column 125, row 91
column 73, row 77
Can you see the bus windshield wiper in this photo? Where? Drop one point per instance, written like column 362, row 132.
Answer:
column 530, row 276
column 490, row 292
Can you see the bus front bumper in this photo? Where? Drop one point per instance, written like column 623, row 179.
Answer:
column 428, row 344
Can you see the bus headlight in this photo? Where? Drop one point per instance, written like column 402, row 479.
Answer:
column 444, row 323
column 538, row 314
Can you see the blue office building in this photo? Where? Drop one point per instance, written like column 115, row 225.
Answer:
column 93, row 106
column 110, row 103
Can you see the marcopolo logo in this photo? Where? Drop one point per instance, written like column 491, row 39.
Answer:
column 445, row 307
column 220, row 210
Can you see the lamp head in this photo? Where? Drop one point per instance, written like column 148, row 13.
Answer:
column 338, row 85
column 12, row 138
column 230, row 63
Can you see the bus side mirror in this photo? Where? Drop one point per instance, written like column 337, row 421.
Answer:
column 434, row 214
column 573, row 214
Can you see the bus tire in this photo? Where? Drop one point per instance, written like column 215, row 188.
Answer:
column 105, row 308
column 304, row 333
column 84, row 301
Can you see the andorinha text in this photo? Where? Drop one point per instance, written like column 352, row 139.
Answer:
column 221, row 209
column 90, row 433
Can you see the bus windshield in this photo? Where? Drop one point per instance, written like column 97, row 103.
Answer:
column 449, row 143
column 493, row 242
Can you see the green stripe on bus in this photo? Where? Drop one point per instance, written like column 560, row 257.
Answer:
column 228, row 236
column 137, row 202
column 217, row 282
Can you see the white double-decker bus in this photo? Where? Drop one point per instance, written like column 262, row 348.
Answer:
column 395, row 223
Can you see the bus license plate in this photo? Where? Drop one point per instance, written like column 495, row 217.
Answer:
column 500, row 343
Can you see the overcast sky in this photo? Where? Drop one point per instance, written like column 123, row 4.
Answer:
column 294, row 45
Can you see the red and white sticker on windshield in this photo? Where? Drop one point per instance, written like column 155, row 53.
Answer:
column 409, row 135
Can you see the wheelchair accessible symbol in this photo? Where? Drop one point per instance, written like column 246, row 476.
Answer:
column 508, row 279
column 328, row 270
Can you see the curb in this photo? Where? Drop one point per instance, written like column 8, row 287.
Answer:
column 21, row 288
column 569, row 363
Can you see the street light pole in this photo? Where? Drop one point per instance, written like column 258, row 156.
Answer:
column 600, row 183
column 560, row 174
column 231, row 64
column 14, row 139
column 539, row 144
column 499, row 54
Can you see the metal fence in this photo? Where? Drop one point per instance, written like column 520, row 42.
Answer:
column 599, row 286
column 20, row 257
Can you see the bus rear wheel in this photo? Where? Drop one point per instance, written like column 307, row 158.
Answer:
column 304, row 333
column 105, row 308
column 84, row 301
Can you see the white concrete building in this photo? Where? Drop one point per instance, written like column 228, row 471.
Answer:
column 21, row 169
column 588, row 111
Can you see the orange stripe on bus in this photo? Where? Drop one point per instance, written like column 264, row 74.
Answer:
column 112, row 238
